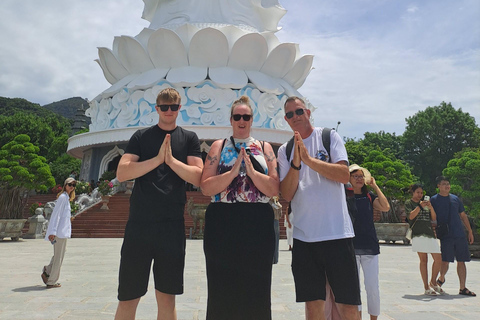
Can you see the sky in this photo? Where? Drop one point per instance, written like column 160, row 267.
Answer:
column 377, row 62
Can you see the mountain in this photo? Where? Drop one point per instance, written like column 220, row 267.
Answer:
column 67, row 107
column 10, row 106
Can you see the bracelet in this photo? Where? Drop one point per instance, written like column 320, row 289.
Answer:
column 294, row 166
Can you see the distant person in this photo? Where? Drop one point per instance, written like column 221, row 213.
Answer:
column 73, row 174
column 312, row 179
column 58, row 231
column 289, row 226
column 241, row 176
column 420, row 214
column 365, row 242
column 160, row 159
column 277, row 210
column 454, row 246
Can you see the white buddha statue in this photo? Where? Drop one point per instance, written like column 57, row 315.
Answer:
column 262, row 15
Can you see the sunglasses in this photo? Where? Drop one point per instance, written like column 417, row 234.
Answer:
column 298, row 112
column 246, row 117
column 165, row 107
column 72, row 184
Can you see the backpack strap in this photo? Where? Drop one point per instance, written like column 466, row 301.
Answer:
column 289, row 148
column 325, row 140
column 223, row 145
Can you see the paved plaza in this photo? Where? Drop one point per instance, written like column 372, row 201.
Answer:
column 89, row 284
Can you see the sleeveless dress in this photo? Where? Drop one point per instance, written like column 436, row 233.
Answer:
column 239, row 242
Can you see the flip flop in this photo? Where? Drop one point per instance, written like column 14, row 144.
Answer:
column 467, row 292
column 56, row 285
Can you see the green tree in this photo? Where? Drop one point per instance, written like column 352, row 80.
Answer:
column 43, row 131
column 21, row 170
column 464, row 174
column 433, row 136
column 384, row 140
column 357, row 151
column 394, row 178
column 62, row 167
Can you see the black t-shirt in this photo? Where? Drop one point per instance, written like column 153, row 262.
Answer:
column 159, row 195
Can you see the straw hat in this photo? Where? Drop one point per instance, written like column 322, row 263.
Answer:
column 366, row 173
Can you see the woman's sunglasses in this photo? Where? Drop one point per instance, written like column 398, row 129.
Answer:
column 165, row 107
column 246, row 117
column 72, row 184
column 298, row 112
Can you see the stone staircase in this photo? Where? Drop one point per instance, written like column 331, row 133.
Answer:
column 97, row 223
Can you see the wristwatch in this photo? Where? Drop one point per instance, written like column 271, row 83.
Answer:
column 294, row 166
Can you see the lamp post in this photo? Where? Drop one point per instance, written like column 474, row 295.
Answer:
column 338, row 123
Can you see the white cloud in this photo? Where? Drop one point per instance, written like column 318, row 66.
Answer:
column 376, row 62
column 412, row 9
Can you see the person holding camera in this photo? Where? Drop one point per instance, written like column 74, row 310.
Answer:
column 420, row 214
column 365, row 242
column 240, row 175
column 454, row 245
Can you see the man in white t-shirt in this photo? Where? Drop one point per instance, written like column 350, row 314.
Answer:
column 323, row 249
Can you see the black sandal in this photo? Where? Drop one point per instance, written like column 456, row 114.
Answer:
column 467, row 292
column 440, row 283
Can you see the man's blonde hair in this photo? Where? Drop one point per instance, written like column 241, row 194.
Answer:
column 169, row 95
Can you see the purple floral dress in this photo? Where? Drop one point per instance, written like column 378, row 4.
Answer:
column 242, row 188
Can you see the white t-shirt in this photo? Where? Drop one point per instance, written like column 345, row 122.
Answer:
column 319, row 204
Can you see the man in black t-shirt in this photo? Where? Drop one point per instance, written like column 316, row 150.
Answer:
column 161, row 159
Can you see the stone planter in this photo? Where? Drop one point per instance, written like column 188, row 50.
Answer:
column 197, row 212
column 392, row 232
column 129, row 185
column 105, row 200
column 11, row 228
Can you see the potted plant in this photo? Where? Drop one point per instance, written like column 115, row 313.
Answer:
column 82, row 188
column 21, row 170
column 34, row 207
column 74, row 208
column 105, row 188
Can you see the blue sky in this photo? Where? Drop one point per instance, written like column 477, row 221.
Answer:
column 376, row 62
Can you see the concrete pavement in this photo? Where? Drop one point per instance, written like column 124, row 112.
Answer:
column 89, row 284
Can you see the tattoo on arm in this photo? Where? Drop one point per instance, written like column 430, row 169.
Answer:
column 212, row 160
column 270, row 156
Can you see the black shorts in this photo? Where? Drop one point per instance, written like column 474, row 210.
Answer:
column 455, row 248
column 162, row 242
column 313, row 263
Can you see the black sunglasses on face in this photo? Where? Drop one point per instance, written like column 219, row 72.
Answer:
column 165, row 107
column 246, row 117
column 298, row 112
column 72, row 184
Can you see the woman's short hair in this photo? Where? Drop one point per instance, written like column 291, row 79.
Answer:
column 243, row 100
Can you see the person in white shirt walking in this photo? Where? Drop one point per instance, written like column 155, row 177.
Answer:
column 59, row 230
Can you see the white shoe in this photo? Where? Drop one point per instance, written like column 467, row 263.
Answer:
column 438, row 289
column 430, row 292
